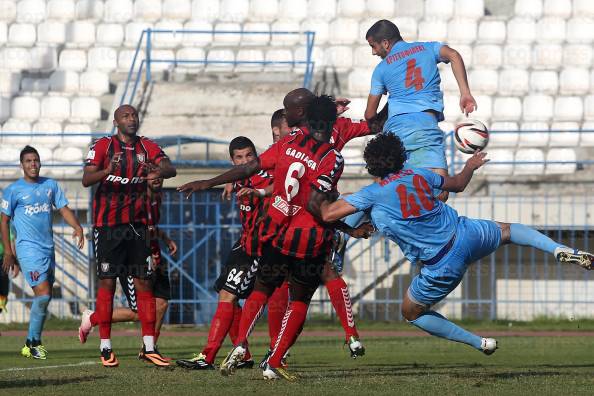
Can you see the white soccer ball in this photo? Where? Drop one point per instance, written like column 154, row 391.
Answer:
column 471, row 135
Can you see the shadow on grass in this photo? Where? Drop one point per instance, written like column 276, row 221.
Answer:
column 40, row 382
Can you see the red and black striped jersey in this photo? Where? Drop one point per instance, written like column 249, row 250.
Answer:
column 154, row 216
column 120, row 197
column 251, row 212
column 299, row 164
column 346, row 129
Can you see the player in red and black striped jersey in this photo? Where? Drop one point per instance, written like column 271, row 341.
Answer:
column 120, row 165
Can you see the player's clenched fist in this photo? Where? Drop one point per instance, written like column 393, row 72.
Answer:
column 189, row 188
column 477, row 160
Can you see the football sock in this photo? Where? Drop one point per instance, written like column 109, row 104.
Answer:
column 105, row 344
column 234, row 330
column 277, row 306
column 94, row 318
column 437, row 325
column 103, row 310
column 147, row 313
column 38, row 314
column 219, row 327
column 527, row 236
column 251, row 312
column 292, row 323
column 341, row 301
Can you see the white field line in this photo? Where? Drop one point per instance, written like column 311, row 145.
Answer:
column 89, row 363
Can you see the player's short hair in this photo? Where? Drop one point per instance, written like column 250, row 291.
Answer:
column 384, row 30
column 277, row 118
column 239, row 143
column 28, row 150
column 321, row 113
column 384, row 154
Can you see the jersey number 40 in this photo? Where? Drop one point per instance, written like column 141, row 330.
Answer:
column 409, row 205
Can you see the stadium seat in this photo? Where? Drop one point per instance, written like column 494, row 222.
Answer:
column 571, row 81
column 94, row 83
column 4, row 109
column 351, row 8
column 118, row 11
column 344, row 31
column 25, row 108
column 205, row 10
column 21, row 127
column 85, row 110
column 432, row 30
column 535, row 134
column 451, row 104
column 125, row 58
column 8, row 10
column 178, row 10
column 68, row 161
column 147, row 10
column 168, row 40
column 55, row 108
column 35, row 86
column 30, row 11
column 588, row 106
column 220, row 55
column 380, row 8
column 547, row 56
column 568, row 108
column 3, row 33
column 263, row 10
column 579, row 55
column 565, row 134
column 358, row 82
column 362, row 58
column 583, row 8
column 513, row 82
column 321, row 10
column 288, row 39
column 89, row 9
column 587, row 134
column 257, row 38
column 507, row 139
column 550, row 30
column 103, row 58
column 501, row 162
column 580, row 30
column 317, row 56
column 197, row 39
column 483, row 81
column 65, row 81
column 15, row 58
column 474, row 9
column 462, row 30
column 339, row 57
column 193, row 54
column 54, row 140
column 487, row 56
column 236, row 11
column 62, row 10
column 80, row 34
column 162, row 54
column 9, row 154
column 51, row 32
column 507, row 109
column 110, row 34
column 279, row 55
column 491, row 31
column 537, row 107
column 544, row 81
column 250, row 55
column 521, row 31
column 557, row 8
column 133, row 31
column 21, row 35
column 9, row 82
column 528, row 8
column 564, row 154
column 356, row 108
column 44, row 58
column 410, row 8
column 442, row 9
column 78, row 141
column 529, row 155
column 407, row 25
column 322, row 29
column 227, row 39
column 484, row 108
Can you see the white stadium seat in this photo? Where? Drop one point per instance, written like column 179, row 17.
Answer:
column 235, row 11
column 320, row 10
column 557, row 8
column 544, row 81
column 85, row 109
column 119, row 11
column 94, row 83
column 507, row 109
column 462, row 30
column 484, row 109
column 78, row 141
column 67, row 156
column 147, row 10
column 256, row 39
column 567, row 134
column 317, row 56
column 484, row 81
column 162, row 54
column 587, row 134
column 451, row 104
column 55, row 108
column 64, row 81
column 571, row 81
column 8, row 10
column 322, row 29
column 125, row 58
column 9, row 154
column 362, row 58
column 406, row 25
column 529, row 155
column 442, row 9
column 345, row 31
column 352, row 8
column 339, row 57
column 432, row 30
column 491, row 31
column 566, row 155
column 220, row 55
column 25, row 108
column 22, row 34
column 528, row 8
column 103, row 58
column 265, row 10
column 487, row 55
column 227, row 39
column 205, row 10
column 517, row 56
column 47, row 126
column 410, row 8
column 179, row 10
column 21, row 127
column 508, row 139
column 469, row 8
column 521, row 31
column 80, row 33
column 133, row 31
column 51, row 32
column 45, row 152
column 110, row 34
column 169, row 39
column 380, row 8
column 197, row 39
column 279, row 55
column 513, row 82
column 30, row 11
column 550, row 30
column 588, row 107
column 9, row 82
column 547, row 56
column 358, row 82
column 62, row 10
column 583, row 8
column 568, row 108
column 448, row 81
column 89, row 9
column 15, row 58
column 250, row 55
column 287, row 39
column 579, row 55
column 536, row 134
column 35, row 86
column 194, row 54
column 537, row 107
column 4, row 109
column 44, row 58
column 3, row 33
column 501, row 162
column 580, row 30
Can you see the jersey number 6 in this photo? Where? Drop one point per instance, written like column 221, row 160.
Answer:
column 408, row 203
column 292, row 180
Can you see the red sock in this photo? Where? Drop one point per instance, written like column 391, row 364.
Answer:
column 234, row 330
column 341, row 300
column 147, row 312
column 277, row 306
column 219, row 327
column 103, row 310
column 94, row 318
column 252, row 309
column 292, row 324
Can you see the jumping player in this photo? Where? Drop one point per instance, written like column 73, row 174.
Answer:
column 404, row 208
column 120, row 165
column 28, row 203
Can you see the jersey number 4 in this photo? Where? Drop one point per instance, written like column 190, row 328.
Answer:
column 414, row 75
column 409, row 205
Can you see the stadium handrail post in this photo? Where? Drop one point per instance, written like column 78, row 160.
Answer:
column 148, row 54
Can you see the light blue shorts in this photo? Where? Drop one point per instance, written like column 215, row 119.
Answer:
column 475, row 239
column 422, row 138
column 38, row 269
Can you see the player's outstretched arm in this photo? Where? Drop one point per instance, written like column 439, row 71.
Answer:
column 70, row 218
column 467, row 102
column 373, row 102
column 459, row 182
column 9, row 261
column 260, row 192
column 322, row 207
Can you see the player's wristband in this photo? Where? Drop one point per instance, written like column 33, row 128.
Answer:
column 261, row 192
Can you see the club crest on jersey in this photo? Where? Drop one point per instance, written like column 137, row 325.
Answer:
column 34, row 275
column 140, row 157
column 104, row 267
column 284, row 207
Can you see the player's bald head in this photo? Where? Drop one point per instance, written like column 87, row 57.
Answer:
column 125, row 119
column 123, row 109
column 295, row 103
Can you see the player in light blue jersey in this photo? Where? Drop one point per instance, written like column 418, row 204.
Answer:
column 408, row 73
column 29, row 204
column 404, row 208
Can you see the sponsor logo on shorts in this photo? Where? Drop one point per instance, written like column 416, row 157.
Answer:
column 104, row 267
column 284, row 207
column 31, row 210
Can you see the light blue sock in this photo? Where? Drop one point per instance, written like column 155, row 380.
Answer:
column 437, row 325
column 528, row 236
column 38, row 314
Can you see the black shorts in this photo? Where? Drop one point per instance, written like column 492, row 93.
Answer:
column 239, row 274
column 276, row 267
column 122, row 251
column 161, row 286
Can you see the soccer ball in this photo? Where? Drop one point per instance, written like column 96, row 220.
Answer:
column 471, row 135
